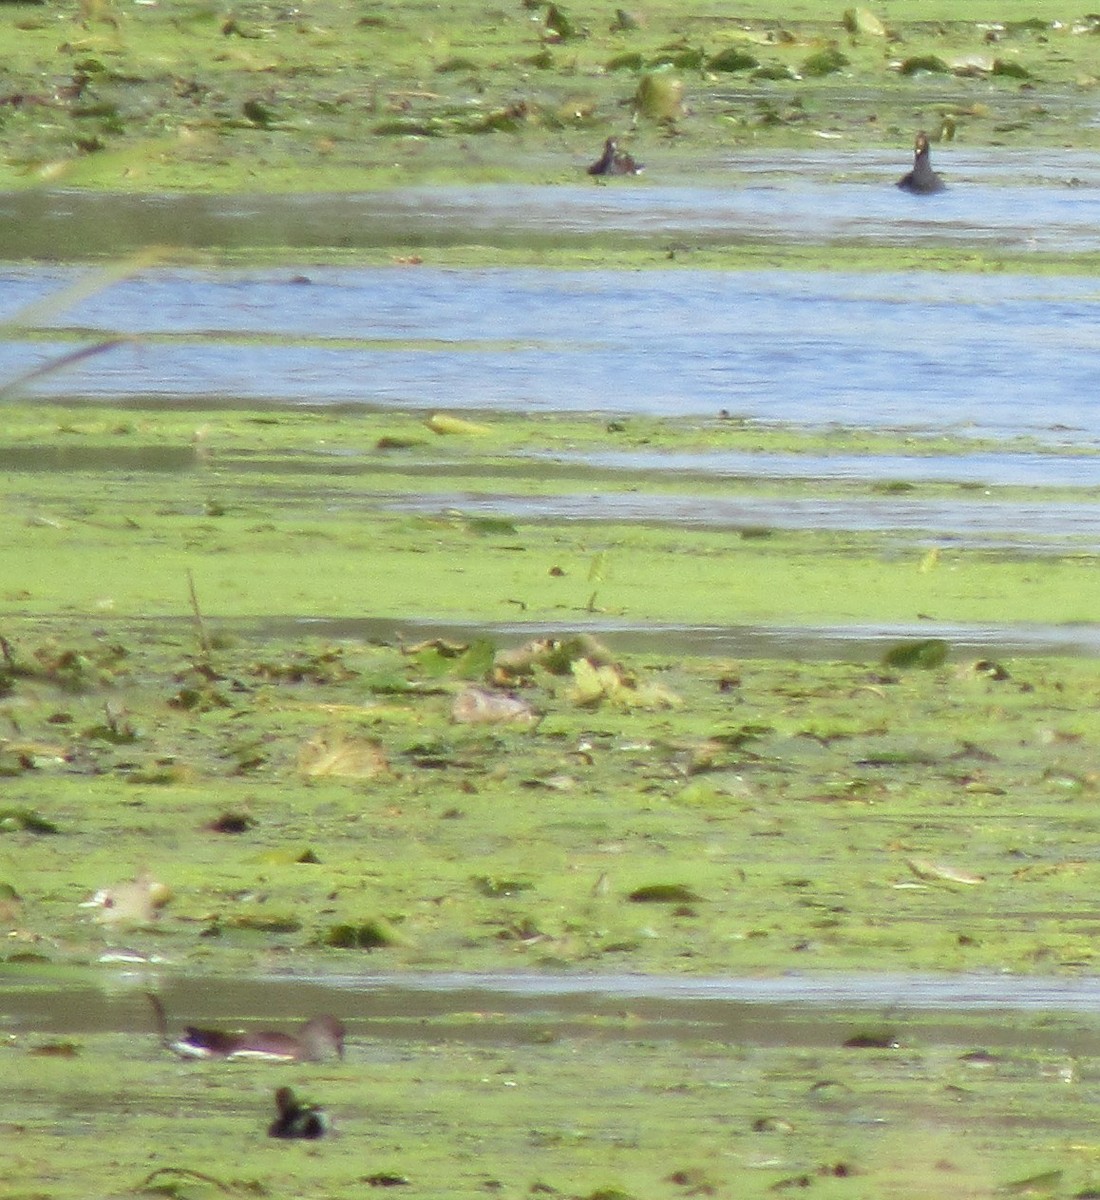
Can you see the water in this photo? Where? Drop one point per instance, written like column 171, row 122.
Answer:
column 1003, row 356
column 804, row 1010
column 1041, row 527
column 1025, row 201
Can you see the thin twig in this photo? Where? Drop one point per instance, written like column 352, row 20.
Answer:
column 183, row 1173
column 200, row 624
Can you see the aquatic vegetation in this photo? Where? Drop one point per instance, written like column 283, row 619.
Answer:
column 184, row 97
column 286, row 751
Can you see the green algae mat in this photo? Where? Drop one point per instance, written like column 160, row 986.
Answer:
column 324, row 95
column 197, row 783
column 393, row 799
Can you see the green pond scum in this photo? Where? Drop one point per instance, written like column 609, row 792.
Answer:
column 327, row 96
column 197, row 782
column 194, row 779
column 594, row 1111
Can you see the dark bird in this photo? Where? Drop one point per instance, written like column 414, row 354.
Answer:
column 316, row 1039
column 614, row 161
column 296, row 1120
column 921, row 180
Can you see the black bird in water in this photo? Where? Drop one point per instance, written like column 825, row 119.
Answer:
column 295, row 1119
column 921, row 180
column 614, row 161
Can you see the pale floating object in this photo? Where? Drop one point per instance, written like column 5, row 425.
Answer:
column 660, row 96
column 443, row 423
column 476, row 706
column 862, row 20
column 136, row 903
column 924, row 868
column 341, row 756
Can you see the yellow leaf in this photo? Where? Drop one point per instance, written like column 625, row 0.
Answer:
column 441, row 423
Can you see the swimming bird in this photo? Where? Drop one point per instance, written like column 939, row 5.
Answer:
column 295, row 1119
column 921, row 180
column 614, row 161
column 317, row 1038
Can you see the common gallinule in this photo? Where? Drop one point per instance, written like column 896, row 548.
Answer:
column 316, row 1039
column 295, row 1119
column 614, row 161
column 921, row 180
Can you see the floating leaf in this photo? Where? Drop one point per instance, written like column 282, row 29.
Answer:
column 1030, row 25
column 684, row 58
column 872, row 1039
column 927, row 654
column 630, row 61
column 660, row 96
column 340, row 755
column 554, row 655
column 442, row 423
column 453, row 65
column 732, row 60
column 408, row 127
column 1033, row 1185
column 490, row 525
column 476, row 706
column 264, row 922
column 561, row 24
column 592, row 685
column 1013, row 70
column 924, row 62
column 438, row 660
column 824, row 62
column 391, row 441
column 371, row 934
column 25, row 820
column 863, row 21
column 664, row 893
